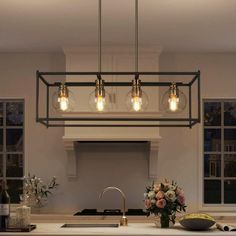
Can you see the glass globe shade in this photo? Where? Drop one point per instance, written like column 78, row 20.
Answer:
column 136, row 103
column 99, row 103
column 63, row 102
column 173, row 103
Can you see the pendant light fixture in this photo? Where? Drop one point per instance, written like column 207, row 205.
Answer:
column 136, row 99
column 63, row 97
column 98, row 100
column 173, row 100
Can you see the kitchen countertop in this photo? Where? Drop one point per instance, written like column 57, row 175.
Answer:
column 130, row 230
column 50, row 224
column 69, row 218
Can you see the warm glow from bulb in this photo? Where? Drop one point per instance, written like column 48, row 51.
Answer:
column 63, row 103
column 173, row 103
column 136, row 103
column 100, row 103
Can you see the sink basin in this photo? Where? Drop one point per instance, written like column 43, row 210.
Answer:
column 93, row 225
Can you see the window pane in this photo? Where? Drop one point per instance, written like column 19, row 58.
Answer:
column 14, row 139
column 212, row 191
column 14, row 164
column 230, row 140
column 212, row 113
column 212, row 140
column 1, row 114
column 1, row 140
column 15, row 188
column 212, row 165
column 230, row 165
column 230, row 191
column 14, row 113
column 1, row 165
column 230, row 113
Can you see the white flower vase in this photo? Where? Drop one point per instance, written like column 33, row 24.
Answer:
column 36, row 207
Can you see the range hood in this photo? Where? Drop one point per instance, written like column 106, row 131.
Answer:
column 114, row 58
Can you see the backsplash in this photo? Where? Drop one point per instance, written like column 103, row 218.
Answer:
column 124, row 165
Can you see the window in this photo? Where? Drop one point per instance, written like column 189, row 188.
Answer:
column 219, row 151
column 12, row 145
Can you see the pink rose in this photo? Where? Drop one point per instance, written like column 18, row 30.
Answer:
column 181, row 199
column 147, row 203
column 160, row 195
column 157, row 187
column 179, row 191
column 161, row 203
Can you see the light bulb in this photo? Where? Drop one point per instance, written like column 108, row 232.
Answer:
column 97, row 99
column 100, row 103
column 136, row 99
column 136, row 103
column 173, row 100
column 63, row 100
column 64, row 103
column 173, row 103
column 63, row 95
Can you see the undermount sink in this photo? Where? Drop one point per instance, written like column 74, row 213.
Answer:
column 93, row 225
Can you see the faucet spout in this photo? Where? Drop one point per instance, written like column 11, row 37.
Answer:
column 124, row 220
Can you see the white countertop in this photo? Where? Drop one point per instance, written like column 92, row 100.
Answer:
column 130, row 230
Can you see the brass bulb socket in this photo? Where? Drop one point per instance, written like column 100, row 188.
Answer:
column 173, row 91
column 136, row 88
column 99, row 90
column 63, row 91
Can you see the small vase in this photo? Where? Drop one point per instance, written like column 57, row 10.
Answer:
column 165, row 221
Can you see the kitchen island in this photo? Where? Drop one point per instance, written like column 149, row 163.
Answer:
column 132, row 229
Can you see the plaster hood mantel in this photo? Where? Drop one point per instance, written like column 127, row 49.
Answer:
column 120, row 58
column 112, row 134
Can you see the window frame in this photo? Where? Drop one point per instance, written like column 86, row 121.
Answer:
column 207, row 206
column 4, row 152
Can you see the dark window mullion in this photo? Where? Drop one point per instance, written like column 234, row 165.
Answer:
column 222, row 153
column 17, row 152
column 212, row 178
column 212, row 152
column 14, row 127
column 4, row 141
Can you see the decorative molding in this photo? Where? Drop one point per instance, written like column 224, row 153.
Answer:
column 71, row 159
column 69, row 144
column 153, row 159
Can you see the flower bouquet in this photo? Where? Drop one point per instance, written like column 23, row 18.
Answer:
column 164, row 200
column 36, row 192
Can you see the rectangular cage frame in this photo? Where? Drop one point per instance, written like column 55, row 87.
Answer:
column 48, row 121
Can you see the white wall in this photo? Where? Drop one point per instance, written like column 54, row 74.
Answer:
column 179, row 150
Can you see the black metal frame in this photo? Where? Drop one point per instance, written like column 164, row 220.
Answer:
column 50, row 121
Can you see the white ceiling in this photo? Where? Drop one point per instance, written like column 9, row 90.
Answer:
column 176, row 25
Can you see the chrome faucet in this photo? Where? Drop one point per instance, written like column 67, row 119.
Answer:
column 123, row 220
